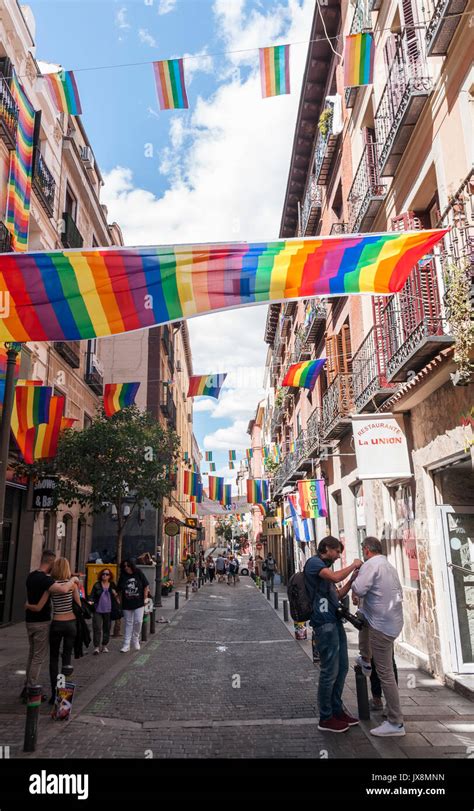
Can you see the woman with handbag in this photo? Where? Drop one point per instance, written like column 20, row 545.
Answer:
column 103, row 598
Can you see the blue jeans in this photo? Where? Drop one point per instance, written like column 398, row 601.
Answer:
column 332, row 646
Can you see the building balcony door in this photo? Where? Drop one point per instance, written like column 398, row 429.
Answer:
column 458, row 573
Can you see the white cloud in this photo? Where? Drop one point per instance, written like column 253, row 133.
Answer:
column 203, row 404
column 145, row 37
column 234, row 436
column 121, row 18
column 166, row 6
column 237, row 403
column 197, row 63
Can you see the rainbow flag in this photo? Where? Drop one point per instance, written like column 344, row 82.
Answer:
column 249, row 453
column 227, row 497
column 312, row 498
column 67, row 422
column 216, row 488
column 63, row 89
column 232, row 456
column 231, row 466
column 31, row 406
column 118, row 396
column 212, row 466
column 190, row 483
column 304, row 374
column 266, row 452
column 21, row 169
column 170, row 85
column 258, row 491
column 276, row 453
column 79, row 294
column 40, row 441
column 206, row 385
column 358, row 59
column 275, row 70
column 186, row 456
column 208, row 456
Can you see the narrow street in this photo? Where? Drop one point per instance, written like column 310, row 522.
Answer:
column 176, row 697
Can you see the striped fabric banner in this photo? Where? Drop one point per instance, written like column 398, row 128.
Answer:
column 67, row 422
column 303, row 528
column 208, row 456
column 358, row 59
column 186, row 456
column 118, row 396
column 63, row 89
column 275, row 70
column 232, row 456
column 276, row 453
column 212, row 466
column 231, row 465
column 170, row 85
column 190, row 483
column 312, row 498
column 216, row 488
column 249, row 453
column 73, row 295
column 227, row 497
column 40, row 441
column 304, row 374
column 21, row 169
column 31, row 406
column 258, row 491
column 206, row 385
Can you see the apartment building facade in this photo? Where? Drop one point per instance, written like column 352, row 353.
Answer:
column 395, row 155
column 65, row 212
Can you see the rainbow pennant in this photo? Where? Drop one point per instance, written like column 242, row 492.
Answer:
column 258, row 491
column 231, row 466
column 72, row 295
column 21, row 169
column 190, row 482
column 206, row 385
column 67, row 422
column 227, row 497
column 208, row 456
column 212, row 467
column 304, row 374
column 63, row 89
column 170, row 85
column 232, row 456
column 275, row 70
column 358, row 59
column 118, row 396
column 249, row 453
column 216, row 488
column 312, row 498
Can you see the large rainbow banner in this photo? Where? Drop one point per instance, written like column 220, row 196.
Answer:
column 80, row 294
column 21, row 169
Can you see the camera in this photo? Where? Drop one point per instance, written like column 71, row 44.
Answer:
column 343, row 613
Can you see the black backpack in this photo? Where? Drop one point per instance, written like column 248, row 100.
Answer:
column 301, row 605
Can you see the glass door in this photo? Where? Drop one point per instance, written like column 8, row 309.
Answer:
column 458, row 535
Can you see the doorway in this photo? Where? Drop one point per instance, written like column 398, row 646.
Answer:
column 458, row 540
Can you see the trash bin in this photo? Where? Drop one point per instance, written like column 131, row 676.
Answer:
column 93, row 570
column 150, row 573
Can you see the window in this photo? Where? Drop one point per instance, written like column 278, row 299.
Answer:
column 70, row 204
column 87, row 420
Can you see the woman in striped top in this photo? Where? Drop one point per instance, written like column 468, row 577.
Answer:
column 63, row 625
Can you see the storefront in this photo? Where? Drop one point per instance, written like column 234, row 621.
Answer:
column 15, row 553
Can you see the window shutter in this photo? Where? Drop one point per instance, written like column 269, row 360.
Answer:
column 345, row 359
column 332, row 359
column 412, row 42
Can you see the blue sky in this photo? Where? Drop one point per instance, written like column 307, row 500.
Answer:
column 217, row 171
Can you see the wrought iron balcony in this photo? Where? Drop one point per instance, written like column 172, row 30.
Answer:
column 406, row 91
column 5, row 239
column 414, row 324
column 458, row 244
column 324, row 152
column 94, row 372
column 444, row 17
column 374, row 5
column 311, row 208
column 71, row 236
column 167, row 405
column 338, row 404
column 70, row 351
column 315, row 321
column 369, row 366
column 167, row 337
column 44, row 184
column 313, row 433
column 367, row 193
column 8, row 115
column 301, row 351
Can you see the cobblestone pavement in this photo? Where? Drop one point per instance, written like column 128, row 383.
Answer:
column 224, row 679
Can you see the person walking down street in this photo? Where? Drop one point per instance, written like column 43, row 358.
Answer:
column 39, row 583
column 251, row 567
column 188, row 568
column 211, row 569
column 102, row 597
column 133, row 589
column 379, row 586
column 270, row 568
column 330, row 636
column 233, row 570
column 63, row 625
column 220, row 568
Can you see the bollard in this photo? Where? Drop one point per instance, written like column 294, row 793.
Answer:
column 275, row 600
column 362, row 694
column 268, row 592
column 146, row 619
column 187, row 591
column 153, row 621
column 33, row 703
column 263, row 587
column 176, row 599
column 285, row 611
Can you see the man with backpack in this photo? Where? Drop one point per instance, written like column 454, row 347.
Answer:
column 320, row 582
column 269, row 567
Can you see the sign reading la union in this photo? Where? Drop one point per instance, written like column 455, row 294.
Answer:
column 381, row 447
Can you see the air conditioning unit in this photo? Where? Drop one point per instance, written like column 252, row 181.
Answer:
column 97, row 365
column 87, row 157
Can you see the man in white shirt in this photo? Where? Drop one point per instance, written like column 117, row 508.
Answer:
column 378, row 584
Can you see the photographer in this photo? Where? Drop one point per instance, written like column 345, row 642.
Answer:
column 379, row 586
column 329, row 632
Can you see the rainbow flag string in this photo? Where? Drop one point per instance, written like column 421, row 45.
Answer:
column 216, row 488
column 227, row 497
column 208, row 456
column 275, row 70
column 82, row 294
column 191, row 483
column 258, row 491
column 358, row 59
column 231, row 465
column 21, row 169
column 232, row 456
column 118, row 396
column 63, row 89
column 249, row 453
column 304, row 374
column 206, row 385
column 312, row 498
column 212, row 466
column 170, row 84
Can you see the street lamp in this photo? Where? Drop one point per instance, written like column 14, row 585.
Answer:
column 13, row 350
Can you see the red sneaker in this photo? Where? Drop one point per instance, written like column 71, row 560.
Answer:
column 333, row 725
column 349, row 719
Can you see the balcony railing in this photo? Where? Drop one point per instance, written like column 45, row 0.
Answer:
column 311, row 208
column 94, row 373
column 367, row 193
column 458, row 244
column 406, row 91
column 8, row 115
column 71, row 236
column 44, row 184
column 338, row 403
column 313, row 433
column 70, row 351
column 444, row 17
column 315, row 321
column 369, row 366
column 167, row 337
column 167, row 405
column 5, row 239
column 325, row 148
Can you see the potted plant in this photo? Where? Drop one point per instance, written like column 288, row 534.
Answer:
column 325, row 121
column 166, row 587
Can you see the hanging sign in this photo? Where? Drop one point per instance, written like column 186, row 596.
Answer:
column 172, row 528
column 43, row 493
column 271, row 527
column 381, row 447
